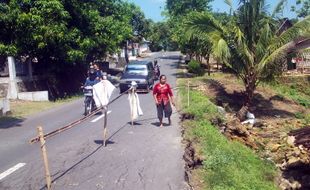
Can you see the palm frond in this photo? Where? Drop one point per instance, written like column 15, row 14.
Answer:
column 203, row 23
column 238, row 34
column 246, row 55
column 282, row 44
column 279, row 8
column 266, row 35
column 229, row 3
column 221, row 51
column 299, row 30
column 274, row 55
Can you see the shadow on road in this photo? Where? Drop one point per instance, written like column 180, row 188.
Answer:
column 156, row 124
column 135, row 123
column 100, row 142
column 72, row 167
column 8, row 122
column 116, row 132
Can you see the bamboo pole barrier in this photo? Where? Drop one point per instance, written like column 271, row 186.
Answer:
column 75, row 123
column 45, row 159
column 105, row 126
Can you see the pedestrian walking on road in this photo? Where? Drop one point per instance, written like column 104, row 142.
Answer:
column 163, row 98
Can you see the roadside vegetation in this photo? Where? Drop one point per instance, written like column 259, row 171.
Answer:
column 295, row 88
column 226, row 164
column 213, row 135
column 262, row 141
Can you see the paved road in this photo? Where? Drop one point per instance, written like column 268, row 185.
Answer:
column 136, row 158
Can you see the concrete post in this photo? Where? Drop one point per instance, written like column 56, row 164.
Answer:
column 4, row 106
column 30, row 69
column 13, row 89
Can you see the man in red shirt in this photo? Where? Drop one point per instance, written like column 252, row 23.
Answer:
column 163, row 98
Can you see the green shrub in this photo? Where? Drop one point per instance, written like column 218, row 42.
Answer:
column 195, row 67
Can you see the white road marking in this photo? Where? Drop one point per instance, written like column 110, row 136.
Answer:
column 100, row 117
column 11, row 170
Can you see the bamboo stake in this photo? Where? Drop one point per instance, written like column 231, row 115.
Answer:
column 105, row 126
column 188, row 93
column 45, row 159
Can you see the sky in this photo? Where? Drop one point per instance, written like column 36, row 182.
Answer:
column 153, row 8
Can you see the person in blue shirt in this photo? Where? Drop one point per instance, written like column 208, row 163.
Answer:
column 98, row 71
column 92, row 78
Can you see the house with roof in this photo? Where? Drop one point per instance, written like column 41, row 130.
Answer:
column 298, row 58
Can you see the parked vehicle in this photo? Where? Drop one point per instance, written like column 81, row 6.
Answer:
column 89, row 103
column 142, row 72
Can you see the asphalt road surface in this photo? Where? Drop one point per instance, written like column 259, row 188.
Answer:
column 140, row 157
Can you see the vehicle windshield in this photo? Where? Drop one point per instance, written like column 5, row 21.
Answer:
column 136, row 69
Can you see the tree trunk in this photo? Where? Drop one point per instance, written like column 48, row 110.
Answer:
column 208, row 64
column 197, row 57
column 250, row 86
column 133, row 52
column 126, row 52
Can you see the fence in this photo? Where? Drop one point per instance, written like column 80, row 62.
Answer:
column 41, row 137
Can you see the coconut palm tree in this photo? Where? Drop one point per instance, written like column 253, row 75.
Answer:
column 251, row 43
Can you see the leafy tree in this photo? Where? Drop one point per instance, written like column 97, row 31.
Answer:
column 160, row 37
column 249, row 45
column 193, row 44
column 304, row 10
column 301, row 8
column 64, row 35
column 139, row 24
column 31, row 27
column 63, row 30
column 182, row 7
column 99, row 27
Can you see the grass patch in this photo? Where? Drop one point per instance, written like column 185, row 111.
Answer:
column 295, row 88
column 22, row 109
column 305, row 117
column 227, row 164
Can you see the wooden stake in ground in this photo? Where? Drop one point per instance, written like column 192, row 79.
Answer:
column 105, row 126
column 45, row 160
column 188, row 93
